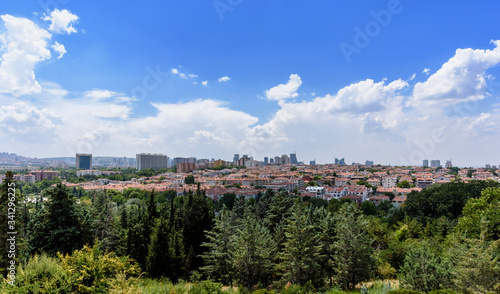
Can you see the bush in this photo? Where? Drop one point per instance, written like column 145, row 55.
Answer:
column 206, row 287
column 404, row 291
column 263, row 291
column 42, row 274
column 92, row 270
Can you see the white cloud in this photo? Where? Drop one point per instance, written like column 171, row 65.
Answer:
column 285, row 91
column 204, row 83
column 25, row 45
column 59, row 48
column 462, row 78
column 174, row 71
column 426, row 71
column 224, row 79
column 61, row 21
column 192, row 76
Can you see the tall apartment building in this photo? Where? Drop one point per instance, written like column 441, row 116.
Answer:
column 277, row 160
column 44, row 174
column 285, row 159
column 148, row 160
column 236, row 158
column 448, row 164
column 425, row 163
column 435, row 163
column 185, row 167
column 266, row 160
column 83, row 161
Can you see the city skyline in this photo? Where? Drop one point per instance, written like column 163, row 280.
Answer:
column 377, row 82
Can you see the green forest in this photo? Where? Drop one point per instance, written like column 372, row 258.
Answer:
column 444, row 239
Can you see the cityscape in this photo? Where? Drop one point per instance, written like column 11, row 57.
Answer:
column 250, row 147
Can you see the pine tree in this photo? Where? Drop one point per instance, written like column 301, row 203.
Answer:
column 57, row 227
column 218, row 257
column 7, row 193
column 279, row 208
column 251, row 257
column 353, row 261
column 158, row 260
column 300, row 253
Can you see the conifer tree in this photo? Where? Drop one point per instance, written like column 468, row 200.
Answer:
column 353, row 260
column 251, row 257
column 300, row 253
column 218, row 257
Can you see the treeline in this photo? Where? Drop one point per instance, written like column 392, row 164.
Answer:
column 445, row 237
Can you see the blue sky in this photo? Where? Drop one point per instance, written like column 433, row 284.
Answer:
column 144, row 77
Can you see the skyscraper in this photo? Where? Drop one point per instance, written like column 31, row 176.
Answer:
column 448, row 164
column 236, row 158
column 148, row 160
column 293, row 158
column 425, row 163
column 83, row 161
column 435, row 163
column 266, row 160
column 285, row 159
column 277, row 160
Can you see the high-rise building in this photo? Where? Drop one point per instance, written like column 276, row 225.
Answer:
column 342, row 161
column 448, row 164
column 336, row 160
column 271, row 161
column 266, row 160
column 435, row 163
column 293, row 158
column 236, row 158
column 148, row 160
column 285, row 159
column 277, row 160
column 369, row 162
column 185, row 167
column 312, row 162
column 425, row 163
column 83, row 161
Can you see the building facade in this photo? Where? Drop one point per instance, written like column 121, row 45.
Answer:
column 83, row 161
column 148, row 160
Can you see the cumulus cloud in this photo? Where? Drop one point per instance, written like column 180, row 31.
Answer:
column 25, row 45
column 204, row 83
column 224, row 79
column 426, row 71
column 182, row 75
column 61, row 21
column 285, row 91
column 462, row 78
column 59, row 48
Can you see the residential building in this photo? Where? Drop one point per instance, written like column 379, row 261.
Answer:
column 83, row 161
column 285, row 159
column 88, row 172
column 448, row 164
column 435, row 163
column 44, row 174
column 266, row 160
column 236, row 157
column 148, row 160
column 389, row 181
column 186, row 167
column 425, row 163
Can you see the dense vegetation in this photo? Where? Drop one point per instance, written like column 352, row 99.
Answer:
column 444, row 238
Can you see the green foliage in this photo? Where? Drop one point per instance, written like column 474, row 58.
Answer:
column 481, row 217
column 404, row 184
column 42, row 274
column 404, row 291
column 92, row 269
column 424, row 269
column 477, row 267
column 57, row 227
column 300, row 253
column 189, row 179
column 368, row 208
column 444, row 200
column 206, row 287
column 353, row 261
column 252, row 258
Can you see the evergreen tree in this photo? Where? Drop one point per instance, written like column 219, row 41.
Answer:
column 251, row 257
column 279, row 209
column 353, row 261
column 8, row 221
column 424, row 270
column 158, row 260
column 57, row 227
column 218, row 257
column 301, row 250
